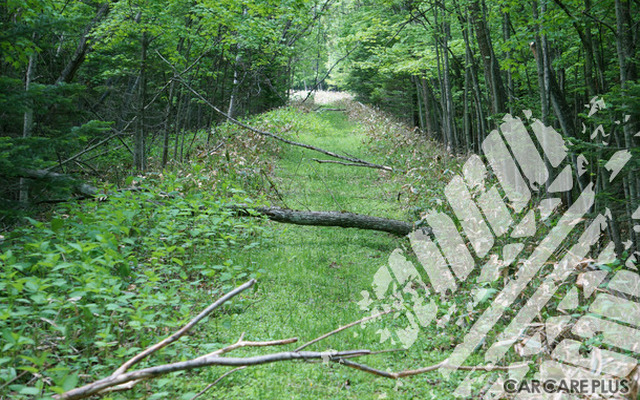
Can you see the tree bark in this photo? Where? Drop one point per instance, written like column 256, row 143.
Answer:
column 83, row 48
column 328, row 218
column 76, row 185
column 491, row 67
column 626, row 49
column 139, row 138
column 550, row 93
column 27, row 126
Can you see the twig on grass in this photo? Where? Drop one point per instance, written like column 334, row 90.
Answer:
column 122, row 380
column 354, row 164
column 424, row 370
column 326, row 335
column 212, row 384
column 182, row 331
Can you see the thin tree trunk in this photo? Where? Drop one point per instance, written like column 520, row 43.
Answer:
column 167, row 125
column 416, row 83
column 84, row 46
column 234, row 89
column 431, row 123
column 477, row 93
column 139, row 145
column 446, row 129
column 491, row 67
column 466, row 112
column 27, row 126
column 236, row 79
column 626, row 49
column 506, row 36
column 449, row 110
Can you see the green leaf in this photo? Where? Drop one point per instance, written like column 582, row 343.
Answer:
column 29, row 391
column 57, row 224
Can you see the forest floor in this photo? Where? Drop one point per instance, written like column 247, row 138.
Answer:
column 314, row 279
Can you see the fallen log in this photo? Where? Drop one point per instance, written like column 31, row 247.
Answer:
column 320, row 110
column 77, row 186
column 328, row 218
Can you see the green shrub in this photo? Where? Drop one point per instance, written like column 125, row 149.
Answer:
column 99, row 280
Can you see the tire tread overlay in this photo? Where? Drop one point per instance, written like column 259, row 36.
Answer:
column 534, row 185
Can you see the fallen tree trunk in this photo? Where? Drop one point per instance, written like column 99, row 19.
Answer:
column 77, row 186
column 321, row 110
column 329, row 218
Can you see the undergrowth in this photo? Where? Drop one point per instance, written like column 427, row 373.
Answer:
column 94, row 282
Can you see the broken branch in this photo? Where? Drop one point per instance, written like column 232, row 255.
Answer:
column 182, row 331
column 350, row 164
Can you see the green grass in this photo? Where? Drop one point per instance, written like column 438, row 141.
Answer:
column 315, row 276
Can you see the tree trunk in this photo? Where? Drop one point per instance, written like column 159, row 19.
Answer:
column 328, row 218
column 430, row 122
column 506, row 36
column 477, row 93
column 27, row 127
column 234, row 89
column 139, row 146
column 448, row 100
column 626, row 49
column 236, row 79
column 553, row 94
column 167, row 125
column 70, row 69
column 491, row 67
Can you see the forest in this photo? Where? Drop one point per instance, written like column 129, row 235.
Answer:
column 340, row 192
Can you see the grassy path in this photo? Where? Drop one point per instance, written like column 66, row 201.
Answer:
column 314, row 277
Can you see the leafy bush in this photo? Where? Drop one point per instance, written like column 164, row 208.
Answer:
column 99, row 280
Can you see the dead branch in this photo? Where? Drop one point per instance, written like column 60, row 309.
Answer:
column 78, row 187
column 182, row 331
column 153, row 372
column 221, row 377
column 121, row 380
column 326, row 335
column 348, row 164
column 243, row 343
column 328, row 218
column 424, row 370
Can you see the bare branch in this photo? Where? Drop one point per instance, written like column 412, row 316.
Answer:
column 217, row 381
column 184, row 329
column 85, row 151
column 153, row 372
column 326, row 335
column 242, row 343
column 424, row 370
column 353, row 164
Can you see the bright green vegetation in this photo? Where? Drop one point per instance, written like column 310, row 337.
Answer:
column 95, row 282
column 315, row 275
